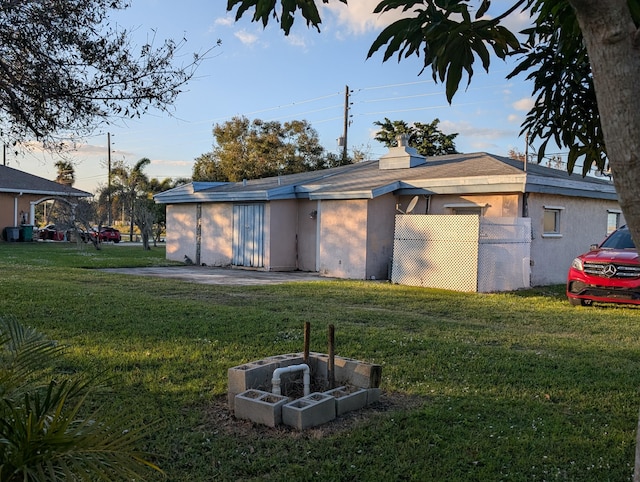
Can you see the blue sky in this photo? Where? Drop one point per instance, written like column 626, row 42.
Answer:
column 260, row 73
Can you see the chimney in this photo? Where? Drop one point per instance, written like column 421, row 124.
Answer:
column 402, row 156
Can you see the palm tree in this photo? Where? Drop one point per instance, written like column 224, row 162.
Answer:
column 42, row 436
column 66, row 173
column 129, row 184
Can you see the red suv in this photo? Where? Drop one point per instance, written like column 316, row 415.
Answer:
column 608, row 273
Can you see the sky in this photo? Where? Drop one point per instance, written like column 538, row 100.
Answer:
column 263, row 74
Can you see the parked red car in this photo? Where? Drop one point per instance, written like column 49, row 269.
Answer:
column 106, row 234
column 609, row 272
column 110, row 234
column 51, row 232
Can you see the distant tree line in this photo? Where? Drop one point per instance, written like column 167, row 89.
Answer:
column 245, row 149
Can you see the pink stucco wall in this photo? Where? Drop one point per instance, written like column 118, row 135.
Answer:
column 343, row 235
column 307, row 236
column 217, row 234
column 181, row 231
column 280, row 235
column 8, row 212
column 582, row 222
column 497, row 205
column 380, row 227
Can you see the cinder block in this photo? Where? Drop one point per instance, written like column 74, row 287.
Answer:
column 310, row 411
column 260, row 407
column 346, row 371
column 373, row 395
column 256, row 375
column 318, row 363
column 357, row 373
column 285, row 360
column 348, row 398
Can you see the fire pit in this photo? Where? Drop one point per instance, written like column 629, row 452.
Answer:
column 302, row 389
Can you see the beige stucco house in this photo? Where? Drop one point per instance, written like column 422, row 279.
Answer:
column 340, row 222
column 20, row 192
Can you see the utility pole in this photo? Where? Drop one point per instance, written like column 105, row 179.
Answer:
column 346, row 125
column 109, row 178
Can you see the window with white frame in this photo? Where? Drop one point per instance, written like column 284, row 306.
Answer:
column 551, row 221
column 466, row 208
column 613, row 220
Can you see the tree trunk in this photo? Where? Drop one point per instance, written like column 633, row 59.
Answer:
column 612, row 43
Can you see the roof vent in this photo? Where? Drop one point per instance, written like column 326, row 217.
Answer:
column 402, row 156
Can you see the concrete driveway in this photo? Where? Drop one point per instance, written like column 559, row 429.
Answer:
column 221, row 276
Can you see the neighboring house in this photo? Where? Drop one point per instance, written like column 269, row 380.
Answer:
column 340, row 222
column 21, row 192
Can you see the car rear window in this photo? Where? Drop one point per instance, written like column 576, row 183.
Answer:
column 620, row 239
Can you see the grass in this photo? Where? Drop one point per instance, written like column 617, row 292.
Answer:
column 512, row 386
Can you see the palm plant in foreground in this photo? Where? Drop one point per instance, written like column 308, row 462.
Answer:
column 43, row 435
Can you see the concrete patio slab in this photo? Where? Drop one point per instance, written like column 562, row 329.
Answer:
column 221, row 276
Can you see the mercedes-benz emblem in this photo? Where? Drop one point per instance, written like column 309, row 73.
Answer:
column 609, row 271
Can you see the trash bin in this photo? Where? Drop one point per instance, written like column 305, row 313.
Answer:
column 26, row 232
column 13, row 233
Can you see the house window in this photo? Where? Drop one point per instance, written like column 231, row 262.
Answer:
column 466, row 208
column 613, row 221
column 551, row 221
column 476, row 210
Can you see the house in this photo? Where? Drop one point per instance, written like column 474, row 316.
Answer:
column 340, row 222
column 21, row 192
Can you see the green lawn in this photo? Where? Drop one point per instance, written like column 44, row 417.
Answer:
column 476, row 387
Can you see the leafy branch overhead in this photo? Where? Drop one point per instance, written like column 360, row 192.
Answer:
column 265, row 9
column 449, row 45
column 64, row 67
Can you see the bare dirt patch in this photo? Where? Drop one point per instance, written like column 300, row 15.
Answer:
column 219, row 417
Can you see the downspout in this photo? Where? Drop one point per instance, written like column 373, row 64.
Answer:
column 198, row 232
column 32, row 213
column 275, row 381
column 15, row 209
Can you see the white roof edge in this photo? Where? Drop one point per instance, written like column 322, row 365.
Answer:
column 41, row 192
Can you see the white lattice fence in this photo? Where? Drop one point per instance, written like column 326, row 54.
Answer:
column 436, row 251
column 504, row 260
column 462, row 253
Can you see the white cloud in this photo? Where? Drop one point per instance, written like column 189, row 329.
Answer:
column 358, row 17
column 513, row 118
column 176, row 163
column 466, row 129
column 525, row 104
column 227, row 21
column 246, row 37
column 296, row 41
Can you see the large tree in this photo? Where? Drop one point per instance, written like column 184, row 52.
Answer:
column 427, row 139
column 583, row 55
column 65, row 68
column 245, row 149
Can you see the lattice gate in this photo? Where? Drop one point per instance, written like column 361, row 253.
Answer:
column 461, row 252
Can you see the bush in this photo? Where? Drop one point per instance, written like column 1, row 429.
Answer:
column 43, row 435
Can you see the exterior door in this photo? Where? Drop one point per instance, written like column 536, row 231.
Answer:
column 248, row 235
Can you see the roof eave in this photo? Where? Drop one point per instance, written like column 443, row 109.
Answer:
column 44, row 192
column 569, row 187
